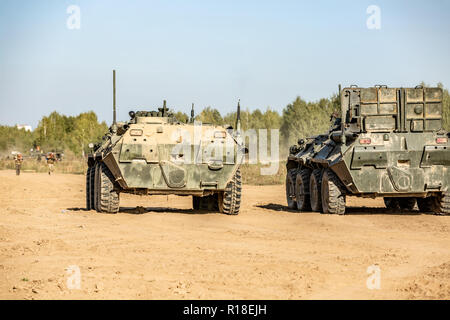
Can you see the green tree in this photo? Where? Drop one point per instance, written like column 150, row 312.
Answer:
column 14, row 139
column 270, row 119
column 56, row 132
column 86, row 129
column 181, row 116
column 210, row 115
column 445, row 107
column 304, row 119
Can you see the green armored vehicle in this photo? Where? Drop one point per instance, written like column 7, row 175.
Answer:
column 155, row 154
column 388, row 142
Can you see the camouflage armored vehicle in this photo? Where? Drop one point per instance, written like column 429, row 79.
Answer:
column 155, row 154
column 388, row 142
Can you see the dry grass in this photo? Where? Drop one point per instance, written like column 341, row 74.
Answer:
column 65, row 166
column 251, row 174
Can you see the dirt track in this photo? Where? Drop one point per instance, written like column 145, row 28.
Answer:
column 170, row 252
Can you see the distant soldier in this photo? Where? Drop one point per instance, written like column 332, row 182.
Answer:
column 50, row 162
column 18, row 159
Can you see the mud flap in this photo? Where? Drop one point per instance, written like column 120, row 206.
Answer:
column 111, row 163
column 401, row 180
column 175, row 176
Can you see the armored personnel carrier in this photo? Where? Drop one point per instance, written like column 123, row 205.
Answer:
column 388, row 142
column 155, row 154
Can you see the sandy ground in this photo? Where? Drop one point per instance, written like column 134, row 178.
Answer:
column 170, row 252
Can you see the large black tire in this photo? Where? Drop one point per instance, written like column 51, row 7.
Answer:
column 95, row 186
column 108, row 196
column 391, row 203
column 88, row 188
column 196, row 202
column 400, row 203
column 92, row 188
column 302, row 189
column 290, row 188
column 209, row 203
column 407, row 203
column 333, row 195
column 442, row 204
column 315, row 192
column 230, row 199
column 426, row 204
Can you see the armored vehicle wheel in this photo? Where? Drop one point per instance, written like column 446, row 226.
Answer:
column 107, row 196
column 426, row 204
column 400, row 203
column 90, row 174
column 230, row 199
column 88, row 188
column 407, row 203
column 315, row 183
column 302, row 189
column 208, row 203
column 333, row 197
column 94, row 186
column 211, row 203
column 196, row 202
column 290, row 188
column 205, row 203
column 442, row 203
column 392, row 203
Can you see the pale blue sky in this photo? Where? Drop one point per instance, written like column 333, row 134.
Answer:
column 209, row 52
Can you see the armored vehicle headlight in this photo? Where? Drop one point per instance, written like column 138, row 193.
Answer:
column 441, row 140
column 135, row 132
column 220, row 134
column 365, row 141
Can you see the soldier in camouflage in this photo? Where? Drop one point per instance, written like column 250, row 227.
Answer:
column 50, row 162
column 18, row 159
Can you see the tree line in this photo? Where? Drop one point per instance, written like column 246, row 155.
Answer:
column 72, row 134
column 55, row 132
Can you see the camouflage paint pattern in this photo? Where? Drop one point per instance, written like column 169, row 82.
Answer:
column 148, row 155
column 391, row 143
